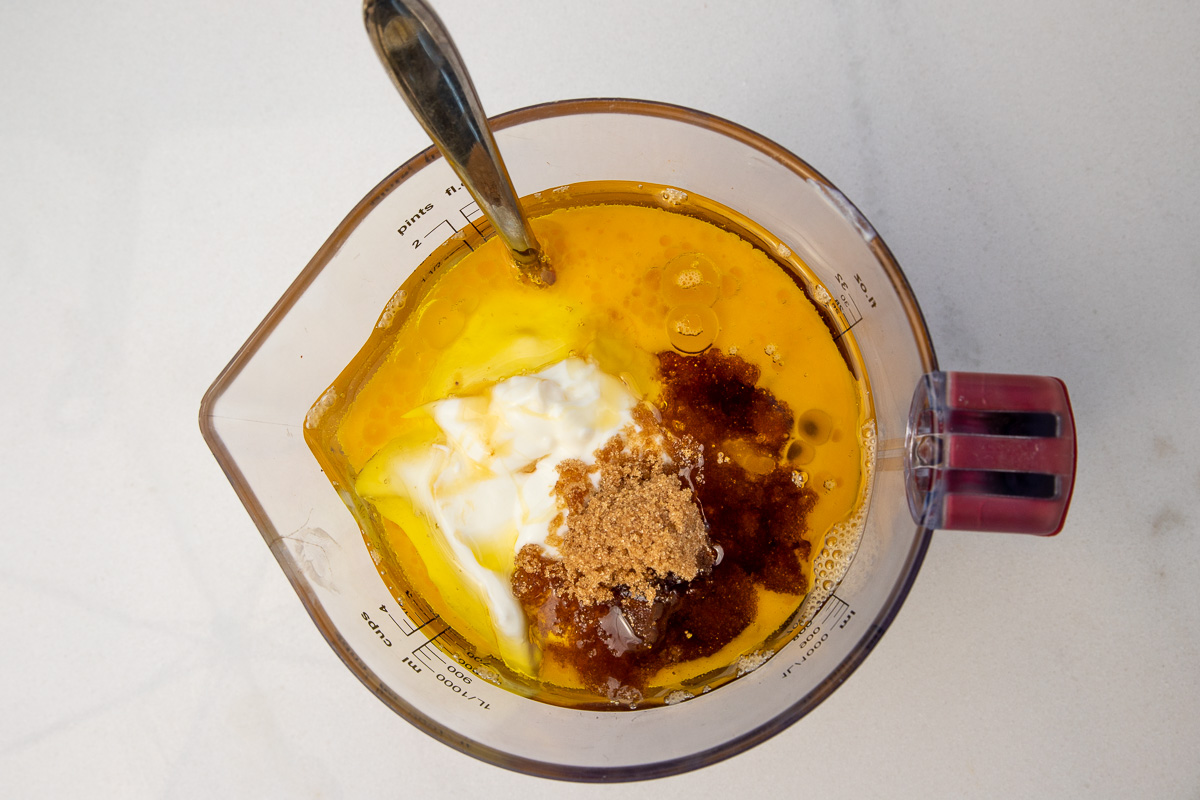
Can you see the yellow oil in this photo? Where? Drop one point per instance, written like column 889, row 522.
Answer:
column 635, row 277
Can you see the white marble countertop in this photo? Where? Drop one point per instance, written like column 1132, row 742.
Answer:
column 166, row 169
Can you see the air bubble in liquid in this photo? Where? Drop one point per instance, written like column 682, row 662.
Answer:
column 691, row 278
column 673, row 196
column 800, row 452
column 627, row 696
column 313, row 418
column 394, row 305
column 815, row 425
column 751, row 661
column 692, row 329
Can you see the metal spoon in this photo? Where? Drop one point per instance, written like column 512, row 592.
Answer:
column 424, row 64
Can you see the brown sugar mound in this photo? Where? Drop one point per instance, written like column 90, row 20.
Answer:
column 641, row 525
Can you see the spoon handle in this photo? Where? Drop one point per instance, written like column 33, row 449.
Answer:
column 425, row 66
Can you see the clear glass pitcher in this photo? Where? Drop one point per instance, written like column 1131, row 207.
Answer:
column 954, row 450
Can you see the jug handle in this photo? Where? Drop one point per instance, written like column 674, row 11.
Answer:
column 988, row 452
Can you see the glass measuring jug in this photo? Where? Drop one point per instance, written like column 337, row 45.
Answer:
column 253, row 415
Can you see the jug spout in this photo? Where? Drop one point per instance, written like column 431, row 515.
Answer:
column 986, row 452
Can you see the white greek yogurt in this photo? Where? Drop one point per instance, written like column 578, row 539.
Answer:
column 486, row 487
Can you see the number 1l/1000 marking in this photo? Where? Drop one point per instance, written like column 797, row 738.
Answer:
column 836, row 618
column 811, row 644
column 452, row 684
